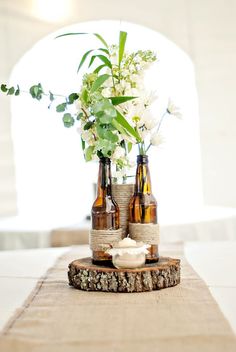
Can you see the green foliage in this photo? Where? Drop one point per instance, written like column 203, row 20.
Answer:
column 36, row 91
column 99, row 81
column 82, row 144
column 101, row 39
column 72, row 98
column 99, row 68
column 84, row 96
column 120, row 99
column 129, row 146
column 119, row 128
column 17, row 92
column 105, row 133
column 104, row 111
column 88, row 125
column 106, row 51
column 79, row 116
column 92, row 60
column 105, row 147
column 122, row 41
column 106, row 61
column 11, row 91
column 68, row 120
column 67, row 34
column 61, row 107
column 124, row 123
column 88, row 152
column 84, row 57
column 51, row 96
column 102, row 119
column 4, row 88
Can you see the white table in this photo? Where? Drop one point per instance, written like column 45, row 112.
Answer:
column 25, row 267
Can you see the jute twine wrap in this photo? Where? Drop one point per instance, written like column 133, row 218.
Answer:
column 122, row 195
column 147, row 233
column 100, row 240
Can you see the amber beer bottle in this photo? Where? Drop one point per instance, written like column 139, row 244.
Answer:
column 143, row 205
column 105, row 211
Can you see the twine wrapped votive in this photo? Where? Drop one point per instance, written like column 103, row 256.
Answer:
column 128, row 254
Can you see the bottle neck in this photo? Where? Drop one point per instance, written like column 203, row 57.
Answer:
column 104, row 178
column 143, row 178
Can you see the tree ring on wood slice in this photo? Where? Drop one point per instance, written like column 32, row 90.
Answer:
column 84, row 275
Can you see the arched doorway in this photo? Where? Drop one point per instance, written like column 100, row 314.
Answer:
column 52, row 177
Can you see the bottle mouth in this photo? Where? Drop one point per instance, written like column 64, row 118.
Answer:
column 105, row 160
column 142, row 158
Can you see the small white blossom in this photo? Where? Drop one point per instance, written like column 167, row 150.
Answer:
column 78, row 104
column 118, row 153
column 88, row 137
column 109, row 82
column 172, row 109
column 131, row 68
column 148, row 119
column 143, row 133
column 125, row 85
column 95, row 157
column 156, row 139
column 79, row 130
column 106, row 92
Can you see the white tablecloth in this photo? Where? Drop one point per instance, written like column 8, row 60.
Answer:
column 191, row 224
column 25, row 267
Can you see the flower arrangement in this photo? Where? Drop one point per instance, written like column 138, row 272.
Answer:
column 112, row 108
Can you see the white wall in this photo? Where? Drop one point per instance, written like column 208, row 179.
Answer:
column 205, row 29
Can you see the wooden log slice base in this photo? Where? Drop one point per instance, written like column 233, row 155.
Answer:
column 86, row 276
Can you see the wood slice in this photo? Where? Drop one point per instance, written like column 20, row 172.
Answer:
column 84, row 275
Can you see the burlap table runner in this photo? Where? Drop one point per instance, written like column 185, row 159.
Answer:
column 59, row 318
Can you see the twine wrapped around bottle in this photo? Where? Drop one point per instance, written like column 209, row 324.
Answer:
column 147, row 233
column 122, row 195
column 101, row 240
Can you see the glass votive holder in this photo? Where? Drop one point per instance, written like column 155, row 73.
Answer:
column 128, row 254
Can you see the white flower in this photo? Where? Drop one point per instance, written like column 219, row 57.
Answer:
column 109, row 82
column 156, row 139
column 125, row 72
column 143, row 134
column 125, row 85
column 79, row 130
column 87, row 136
column 95, row 157
column 118, row 153
column 129, row 139
column 149, row 120
column 119, row 88
column 106, row 92
column 114, row 59
column 172, row 109
column 131, row 68
column 77, row 104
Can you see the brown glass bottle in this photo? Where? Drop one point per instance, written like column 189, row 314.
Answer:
column 143, row 205
column 105, row 211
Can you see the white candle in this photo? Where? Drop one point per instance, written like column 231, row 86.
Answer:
column 129, row 261
column 127, row 242
column 128, row 254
